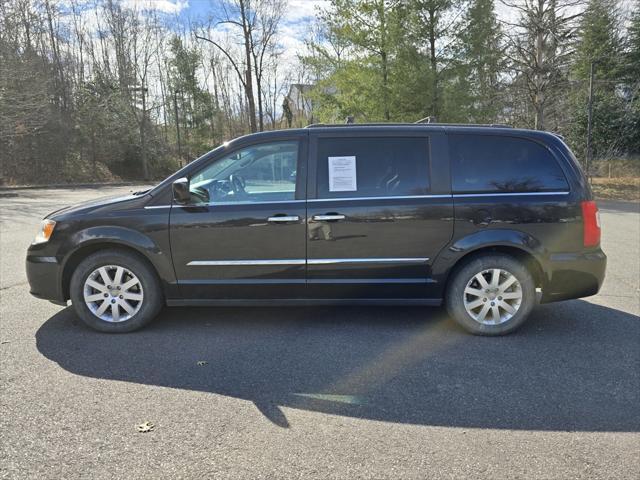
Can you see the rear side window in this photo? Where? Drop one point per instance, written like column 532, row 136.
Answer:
column 372, row 167
column 491, row 163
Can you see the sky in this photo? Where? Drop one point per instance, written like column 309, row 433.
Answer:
column 294, row 27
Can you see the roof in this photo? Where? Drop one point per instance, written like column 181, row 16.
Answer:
column 399, row 127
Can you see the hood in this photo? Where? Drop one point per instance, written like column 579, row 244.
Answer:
column 98, row 203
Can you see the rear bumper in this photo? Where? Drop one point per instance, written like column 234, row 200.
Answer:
column 574, row 275
column 43, row 274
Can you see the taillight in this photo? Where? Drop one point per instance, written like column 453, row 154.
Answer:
column 591, row 222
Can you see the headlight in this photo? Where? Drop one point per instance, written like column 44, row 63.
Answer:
column 45, row 231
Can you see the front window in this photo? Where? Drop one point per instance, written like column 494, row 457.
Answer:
column 259, row 173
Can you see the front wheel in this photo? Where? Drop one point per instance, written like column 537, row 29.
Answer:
column 491, row 294
column 115, row 291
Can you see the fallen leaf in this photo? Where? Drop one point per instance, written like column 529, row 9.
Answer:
column 145, row 427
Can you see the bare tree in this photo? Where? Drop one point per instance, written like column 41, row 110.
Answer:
column 263, row 48
column 241, row 14
column 540, row 47
column 257, row 22
column 143, row 53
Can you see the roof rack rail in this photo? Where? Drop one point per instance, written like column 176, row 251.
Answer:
column 372, row 124
column 399, row 124
column 488, row 125
column 434, row 121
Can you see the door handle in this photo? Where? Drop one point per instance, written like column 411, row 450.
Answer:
column 283, row 219
column 328, row 217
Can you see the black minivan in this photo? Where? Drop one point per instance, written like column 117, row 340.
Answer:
column 487, row 220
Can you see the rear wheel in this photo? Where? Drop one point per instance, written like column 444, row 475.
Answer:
column 491, row 294
column 115, row 291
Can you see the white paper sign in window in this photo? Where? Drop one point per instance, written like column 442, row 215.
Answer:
column 342, row 174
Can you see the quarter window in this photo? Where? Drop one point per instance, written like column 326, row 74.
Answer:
column 259, row 173
column 491, row 163
column 372, row 167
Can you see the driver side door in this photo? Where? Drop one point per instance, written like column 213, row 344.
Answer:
column 243, row 234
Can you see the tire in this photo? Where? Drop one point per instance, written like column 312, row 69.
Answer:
column 143, row 294
column 465, row 290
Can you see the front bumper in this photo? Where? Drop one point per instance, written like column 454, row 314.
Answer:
column 44, row 276
column 574, row 275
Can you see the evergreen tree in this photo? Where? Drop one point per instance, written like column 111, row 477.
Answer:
column 431, row 25
column 195, row 105
column 361, row 85
column 599, row 43
column 481, row 60
column 633, row 45
column 632, row 76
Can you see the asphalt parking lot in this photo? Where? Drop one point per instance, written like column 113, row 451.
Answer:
column 343, row 393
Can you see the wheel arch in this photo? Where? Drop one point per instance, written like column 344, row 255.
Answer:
column 83, row 251
column 519, row 245
column 532, row 264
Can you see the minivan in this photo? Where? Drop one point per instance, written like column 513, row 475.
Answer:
column 487, row 220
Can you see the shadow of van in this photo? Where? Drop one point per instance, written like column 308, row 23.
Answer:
column 573, row 366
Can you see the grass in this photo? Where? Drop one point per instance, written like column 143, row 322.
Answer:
column 623, row 188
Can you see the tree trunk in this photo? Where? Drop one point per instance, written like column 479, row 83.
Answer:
column 385, row 86
column 248, row 73
column 143, row 146
column 260, row 110
column 434, row 64
column 539, row 99
column 177, row 119
column 384, row 61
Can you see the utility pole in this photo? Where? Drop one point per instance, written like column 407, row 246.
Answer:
column 175, row 109
column 590, row 120
column 143, row 147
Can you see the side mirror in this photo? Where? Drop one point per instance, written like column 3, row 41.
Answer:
column 181, row 192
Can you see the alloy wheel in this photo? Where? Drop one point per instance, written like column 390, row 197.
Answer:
column 492, row 296
column 113, row 293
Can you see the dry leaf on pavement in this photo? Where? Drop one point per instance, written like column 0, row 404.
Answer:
column 145, row 427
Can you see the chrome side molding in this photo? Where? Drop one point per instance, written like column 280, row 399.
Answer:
column 219, row 263
column 329, row 261
column 506, row 194
column 302, row 261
